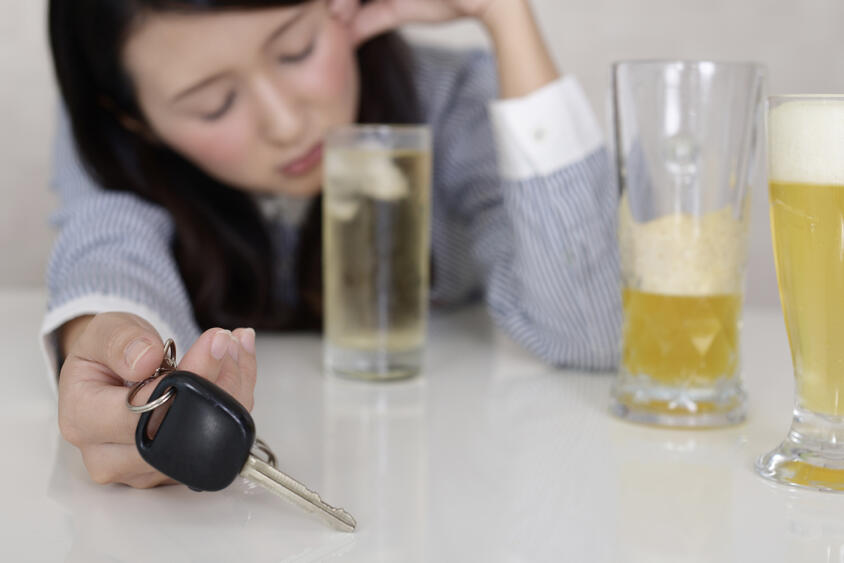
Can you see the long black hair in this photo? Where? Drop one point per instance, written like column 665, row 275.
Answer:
column 222, row 244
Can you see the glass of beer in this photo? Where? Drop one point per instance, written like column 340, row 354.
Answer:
column 687, row 155
column 806, row 175
column 376, row 250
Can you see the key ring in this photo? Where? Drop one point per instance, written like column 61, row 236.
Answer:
column 262, row 446
column 168, row 365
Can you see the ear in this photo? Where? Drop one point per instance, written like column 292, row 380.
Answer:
column 137, row 127
column 128, row 122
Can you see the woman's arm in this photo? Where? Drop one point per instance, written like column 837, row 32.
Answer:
column 112, row 258
column 112, row 253
column 524, row 63
column 535, row 227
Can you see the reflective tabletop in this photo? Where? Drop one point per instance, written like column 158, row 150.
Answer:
column 488, row 456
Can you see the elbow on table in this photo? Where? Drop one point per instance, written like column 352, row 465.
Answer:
column 592, row 346
column 591, row 352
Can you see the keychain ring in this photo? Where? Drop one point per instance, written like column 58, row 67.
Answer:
column 168, row 364
column 262, row 446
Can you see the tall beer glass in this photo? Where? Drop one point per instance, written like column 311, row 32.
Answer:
column 806, row 174
column 686, row 143
column 376, row 223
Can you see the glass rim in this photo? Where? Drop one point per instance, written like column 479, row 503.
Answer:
column 806, row 97
column 407, row 136
column 689, row 62
column 380, row 128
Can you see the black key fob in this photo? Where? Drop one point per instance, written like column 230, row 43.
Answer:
column 205, row 436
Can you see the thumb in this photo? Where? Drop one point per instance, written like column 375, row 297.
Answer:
column 124, row 343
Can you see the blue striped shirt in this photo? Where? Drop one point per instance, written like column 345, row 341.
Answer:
column 523, row 215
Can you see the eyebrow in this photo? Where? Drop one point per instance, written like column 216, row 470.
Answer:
column 215, row 77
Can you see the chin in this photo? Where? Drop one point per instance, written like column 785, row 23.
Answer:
column 306, row 186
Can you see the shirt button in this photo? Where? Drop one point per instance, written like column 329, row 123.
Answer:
column 539, row 134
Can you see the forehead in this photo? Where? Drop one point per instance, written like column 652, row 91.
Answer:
column 166, row 46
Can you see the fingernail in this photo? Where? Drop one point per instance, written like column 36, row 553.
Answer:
column 135, row 351
column 247, row 340
column 220, row 344
column 234, row 348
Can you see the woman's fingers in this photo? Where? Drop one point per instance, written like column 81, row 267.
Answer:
column 115, row 463
column 210, row 352
column 248, row 366
column 118, row 348
column 344, row 10
column 114, row 348
column 380, row 16
column 128, row 346
column 374, row 18
column 227, row 359
column 96, row 413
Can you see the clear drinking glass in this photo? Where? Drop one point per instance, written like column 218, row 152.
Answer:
column 806, row 175
column 376, row 231
column 687, row 148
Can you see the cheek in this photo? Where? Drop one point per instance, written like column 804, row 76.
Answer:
column 333, row 77
column 214, row 148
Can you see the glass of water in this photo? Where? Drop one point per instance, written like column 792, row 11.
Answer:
column 376, row 248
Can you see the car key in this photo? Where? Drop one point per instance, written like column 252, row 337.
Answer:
column 205, row 441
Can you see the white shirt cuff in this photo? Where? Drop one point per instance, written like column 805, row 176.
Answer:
column 544, row 131
column 91, row 305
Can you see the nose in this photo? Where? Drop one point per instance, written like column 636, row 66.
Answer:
column 279, row 118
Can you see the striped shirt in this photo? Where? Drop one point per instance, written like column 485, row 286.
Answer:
column 523, row 216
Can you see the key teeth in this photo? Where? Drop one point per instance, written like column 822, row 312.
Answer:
column 338, row 513
column 263, row 474
column 345, row 517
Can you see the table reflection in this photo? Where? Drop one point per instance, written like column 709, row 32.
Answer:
column 815, row 530
column 669, row 483
column 376, row 447
column 173, row 523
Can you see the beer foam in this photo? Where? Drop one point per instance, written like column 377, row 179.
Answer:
column 683, row 254
column 806, row 142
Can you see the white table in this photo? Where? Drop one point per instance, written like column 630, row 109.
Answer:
column 490, row 456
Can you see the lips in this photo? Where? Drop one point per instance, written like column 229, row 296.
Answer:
column 304, row 163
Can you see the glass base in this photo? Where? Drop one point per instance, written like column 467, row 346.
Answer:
column 811, row 457
column 641, row 400
column 372, row 365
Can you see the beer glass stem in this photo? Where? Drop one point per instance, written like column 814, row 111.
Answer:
column 812, row 456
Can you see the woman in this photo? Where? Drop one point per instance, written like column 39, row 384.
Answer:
column 200, row 124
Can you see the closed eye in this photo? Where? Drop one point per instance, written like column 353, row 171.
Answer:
column 298, row 57
column 217, row 114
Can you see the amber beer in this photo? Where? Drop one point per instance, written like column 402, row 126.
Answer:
column 807, row 224
column 681, row 340
column 806, row 172
column 376, row 259
column 682, row 305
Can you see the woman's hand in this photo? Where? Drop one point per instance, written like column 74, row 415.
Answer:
column 523, row 61
column 378, row 16
column 116, row 349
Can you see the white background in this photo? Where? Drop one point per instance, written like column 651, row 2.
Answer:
column 801, row 43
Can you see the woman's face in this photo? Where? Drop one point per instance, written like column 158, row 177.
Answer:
column 247, row 96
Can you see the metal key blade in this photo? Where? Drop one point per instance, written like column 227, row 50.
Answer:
column 289, row 488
